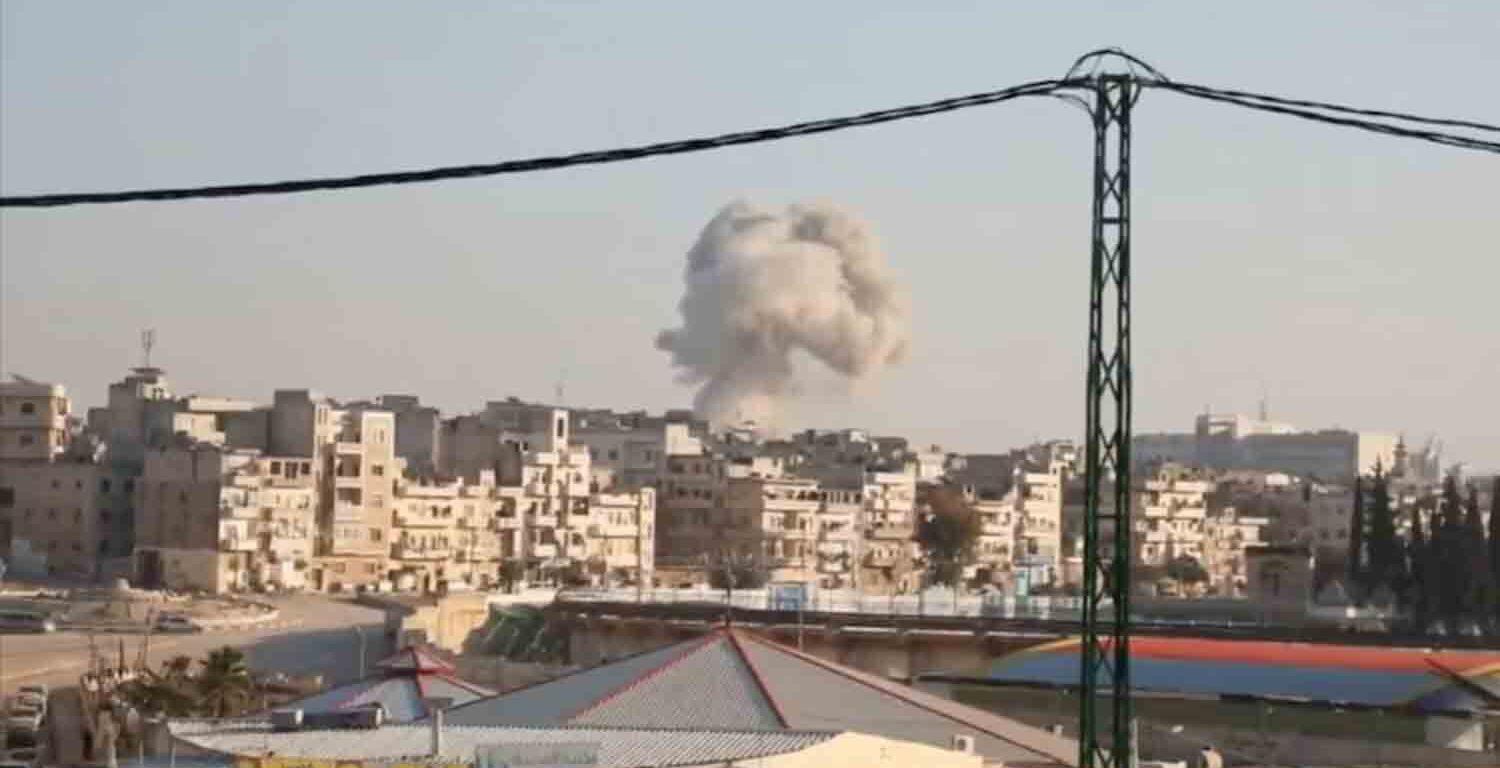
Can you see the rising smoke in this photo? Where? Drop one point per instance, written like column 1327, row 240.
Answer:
column 763, row 284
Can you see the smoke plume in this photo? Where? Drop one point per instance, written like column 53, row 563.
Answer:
column 762, row 284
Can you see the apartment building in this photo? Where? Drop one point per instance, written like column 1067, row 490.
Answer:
column 62, row 510
column 448, row 530
column 33, row 420
column 66, row 517
column 1169, row 518
column 772, row 522
column 1227, row 536
column 359, row 474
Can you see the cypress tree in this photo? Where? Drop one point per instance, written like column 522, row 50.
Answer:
column 1416, row 555
column 1476, row 557
column 1494, row 550
column 1385, row 556
column 1448, row 557
column 1356, row 571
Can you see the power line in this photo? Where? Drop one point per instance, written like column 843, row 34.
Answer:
column 1309, row 110
column 598, row 157
column 1281, row 106
column 1331, row 107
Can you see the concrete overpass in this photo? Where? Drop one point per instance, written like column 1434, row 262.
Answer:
column 900, row 646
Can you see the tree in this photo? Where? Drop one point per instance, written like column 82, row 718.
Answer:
column 1417, row 559
column 1356, row 571
column 1186, row 569
column 1494, row 550
column 168, row 691
column 1452, row 579
column 948, row 534
column 1476, row 559
column 732, row 575
column 510, row 573
column 1387, row 559
column 224, row 683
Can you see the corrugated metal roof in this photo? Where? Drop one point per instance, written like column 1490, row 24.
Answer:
column 400, row 687
column 733, row 679
column 710, row 687
column 553, row 702
column 817, row 694
column 618, row 748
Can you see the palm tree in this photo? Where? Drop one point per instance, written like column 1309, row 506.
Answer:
column 167, row 691
column 224, row 682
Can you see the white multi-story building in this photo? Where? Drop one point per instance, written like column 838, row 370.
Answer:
column 1169, row 518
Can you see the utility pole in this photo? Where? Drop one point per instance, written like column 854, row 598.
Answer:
column 1105, row 738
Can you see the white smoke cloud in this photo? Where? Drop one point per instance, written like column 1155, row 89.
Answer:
column 761, row 285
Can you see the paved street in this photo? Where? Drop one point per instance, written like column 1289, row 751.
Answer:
column 314, row 634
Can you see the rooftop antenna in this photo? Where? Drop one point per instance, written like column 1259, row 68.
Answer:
column 148, row 340
column 559, row 390
column 1265, row 407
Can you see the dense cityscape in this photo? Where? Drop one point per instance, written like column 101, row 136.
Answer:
column 839, row 465
column 217, row 495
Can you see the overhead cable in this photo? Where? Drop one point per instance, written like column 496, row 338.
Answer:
column 599, row 157
column 1436, row 137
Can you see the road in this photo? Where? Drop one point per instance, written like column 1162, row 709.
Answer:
column 314, row 634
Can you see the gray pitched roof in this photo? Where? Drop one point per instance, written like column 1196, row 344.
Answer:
column 401, row 687
column 618, row 747
column 735, row 679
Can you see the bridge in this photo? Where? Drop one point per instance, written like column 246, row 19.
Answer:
column 901, row 637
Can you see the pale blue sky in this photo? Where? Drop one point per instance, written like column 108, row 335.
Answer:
column 1353, row 276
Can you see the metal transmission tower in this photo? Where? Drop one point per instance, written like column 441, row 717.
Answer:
column 1105, row 731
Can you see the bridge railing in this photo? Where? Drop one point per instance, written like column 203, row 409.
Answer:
column 937, row 603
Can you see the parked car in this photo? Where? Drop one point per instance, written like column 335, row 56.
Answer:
column 175, row 624
column 39, row 689
column 13, row 620
column 30, row 701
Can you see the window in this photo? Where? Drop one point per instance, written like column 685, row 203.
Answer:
column 28, row 408
column 275, row 467
column 129, row 486
column 613, row 454
column 7, row 497
column 375, row 534
column 104, row 485
column 377, row 470
column 562, row 426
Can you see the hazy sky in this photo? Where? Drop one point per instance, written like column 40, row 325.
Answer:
column 1352, row 277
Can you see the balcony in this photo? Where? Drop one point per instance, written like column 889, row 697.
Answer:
column 348, row 447
column 401, row 551
column 345, row 511
column 543, row 550
column 881, row 559
column 889, row 532
column 409, row 520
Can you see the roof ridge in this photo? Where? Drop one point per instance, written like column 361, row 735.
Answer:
column 760, row 682
column 694, row 647
column 563, row 676
column 904, row 696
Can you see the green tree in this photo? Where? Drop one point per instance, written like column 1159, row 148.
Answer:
column 948, row 533
column 1452, row 579
column 1477, row 561
column 1494, row 551
column 1387, row 556
column 224, row 683
column 1416, row 594
column 167, row 691
column 510, row 573
column 1356, row 571
column 731, row 575
column 1187, row 570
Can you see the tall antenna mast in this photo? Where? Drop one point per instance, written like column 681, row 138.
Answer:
column 148, row 340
